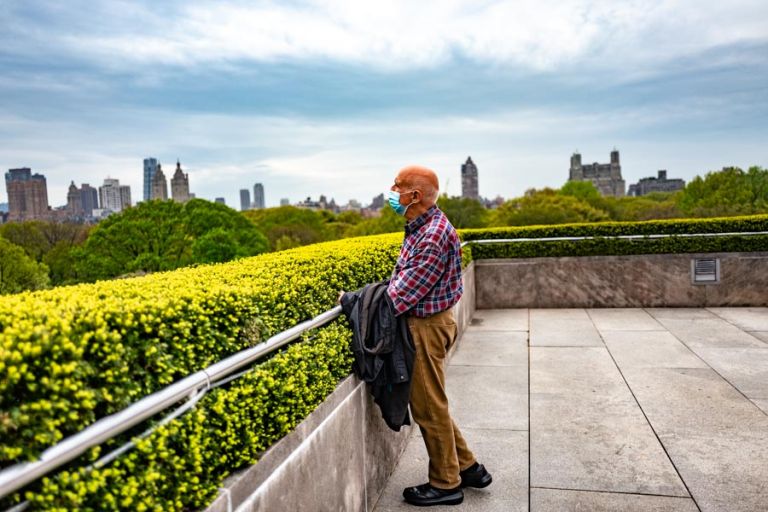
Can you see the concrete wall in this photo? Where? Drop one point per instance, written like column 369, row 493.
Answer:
column 656, row 280
column 339, row 458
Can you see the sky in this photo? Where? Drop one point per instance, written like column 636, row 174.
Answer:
column 311, row 97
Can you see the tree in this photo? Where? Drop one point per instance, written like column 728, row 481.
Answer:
column 727, row 192
column 19, row 272
column 545, row 207
column 387, row 222
column 29, row 236
column 463, row 212
column 164, row 235
column 299, row 225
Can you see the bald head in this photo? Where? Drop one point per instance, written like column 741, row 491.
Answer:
column 419, row 178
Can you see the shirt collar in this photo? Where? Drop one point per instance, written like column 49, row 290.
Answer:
column 420, row 220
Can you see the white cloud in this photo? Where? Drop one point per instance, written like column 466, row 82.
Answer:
column 401, row 34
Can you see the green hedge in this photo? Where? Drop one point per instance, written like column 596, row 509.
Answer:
column 71, row 355
column 604, row 245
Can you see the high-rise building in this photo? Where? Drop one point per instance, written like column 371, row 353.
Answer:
column 469, row 180
column 258, row 196
column 605, row 177
column 74, row 201
column 180, row 185
column 159, row 185
column 245, row 199
column 377, row 203
column 284, row 201
column 27, row 194
column 114, row 196
column 220, row 200
column 659, row 184
column 150, row 168
column 90, row 199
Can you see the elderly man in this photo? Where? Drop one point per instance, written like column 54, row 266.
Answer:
column 425, row 284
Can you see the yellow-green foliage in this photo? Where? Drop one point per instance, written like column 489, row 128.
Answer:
column 71, row 355
column 608, row 246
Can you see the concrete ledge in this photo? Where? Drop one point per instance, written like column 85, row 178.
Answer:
column 649, row 280
column 339, row 458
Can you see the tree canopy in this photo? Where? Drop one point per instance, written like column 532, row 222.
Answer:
column 727, row 192
column 18, row 271
column 164, row 235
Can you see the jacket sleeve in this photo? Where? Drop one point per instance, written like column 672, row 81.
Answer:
column 419, row 275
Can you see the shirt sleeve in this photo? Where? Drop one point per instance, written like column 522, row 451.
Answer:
column 419, row 275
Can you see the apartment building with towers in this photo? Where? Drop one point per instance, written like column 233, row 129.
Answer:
column 159, row 188
column 180, row 185
column 605, row 177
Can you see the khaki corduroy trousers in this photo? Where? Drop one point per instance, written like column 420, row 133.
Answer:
column 448, row 452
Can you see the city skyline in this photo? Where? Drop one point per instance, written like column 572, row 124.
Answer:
column 336, row 97
column 468, row 174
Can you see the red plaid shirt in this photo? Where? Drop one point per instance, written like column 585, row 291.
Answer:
column 427, row 276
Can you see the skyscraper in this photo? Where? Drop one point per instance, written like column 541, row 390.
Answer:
column 89, row 199
column 245, row 199
column 150, row 167
column 27, row 194
column 469, row 180
column 114, row 196
column 220, row 200
column 180, row 185
column 258, row 196
column 159, row 185
column 74, row 201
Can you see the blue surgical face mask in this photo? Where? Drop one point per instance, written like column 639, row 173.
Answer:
column 394, row 202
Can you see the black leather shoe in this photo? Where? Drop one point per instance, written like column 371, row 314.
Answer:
column 475, row 476
column 425, row 495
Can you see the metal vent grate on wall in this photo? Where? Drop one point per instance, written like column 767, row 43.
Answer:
column 705, row 270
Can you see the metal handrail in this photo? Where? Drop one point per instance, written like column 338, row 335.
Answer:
column 19, row 475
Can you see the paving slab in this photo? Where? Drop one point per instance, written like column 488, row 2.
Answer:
column 748, row 319
column 650, row 349
column 701, row 330
column 492, row 348
column 744, row 368
column 563, row 327
column 504, row 453
column 717, row 438
column 623, row 319
column 558, row 500
column 500, row 319
column 762, row 404
column 587, row 432
column 491, row 397
column 691, row 400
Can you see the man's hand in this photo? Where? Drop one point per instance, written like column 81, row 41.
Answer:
column 341, row 294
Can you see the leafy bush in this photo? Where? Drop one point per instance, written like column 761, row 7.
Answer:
column 71, row 355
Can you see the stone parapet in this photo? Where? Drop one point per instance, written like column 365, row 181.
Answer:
column 650, row 280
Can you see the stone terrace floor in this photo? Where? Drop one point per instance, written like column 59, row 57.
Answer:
column 609, row 409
